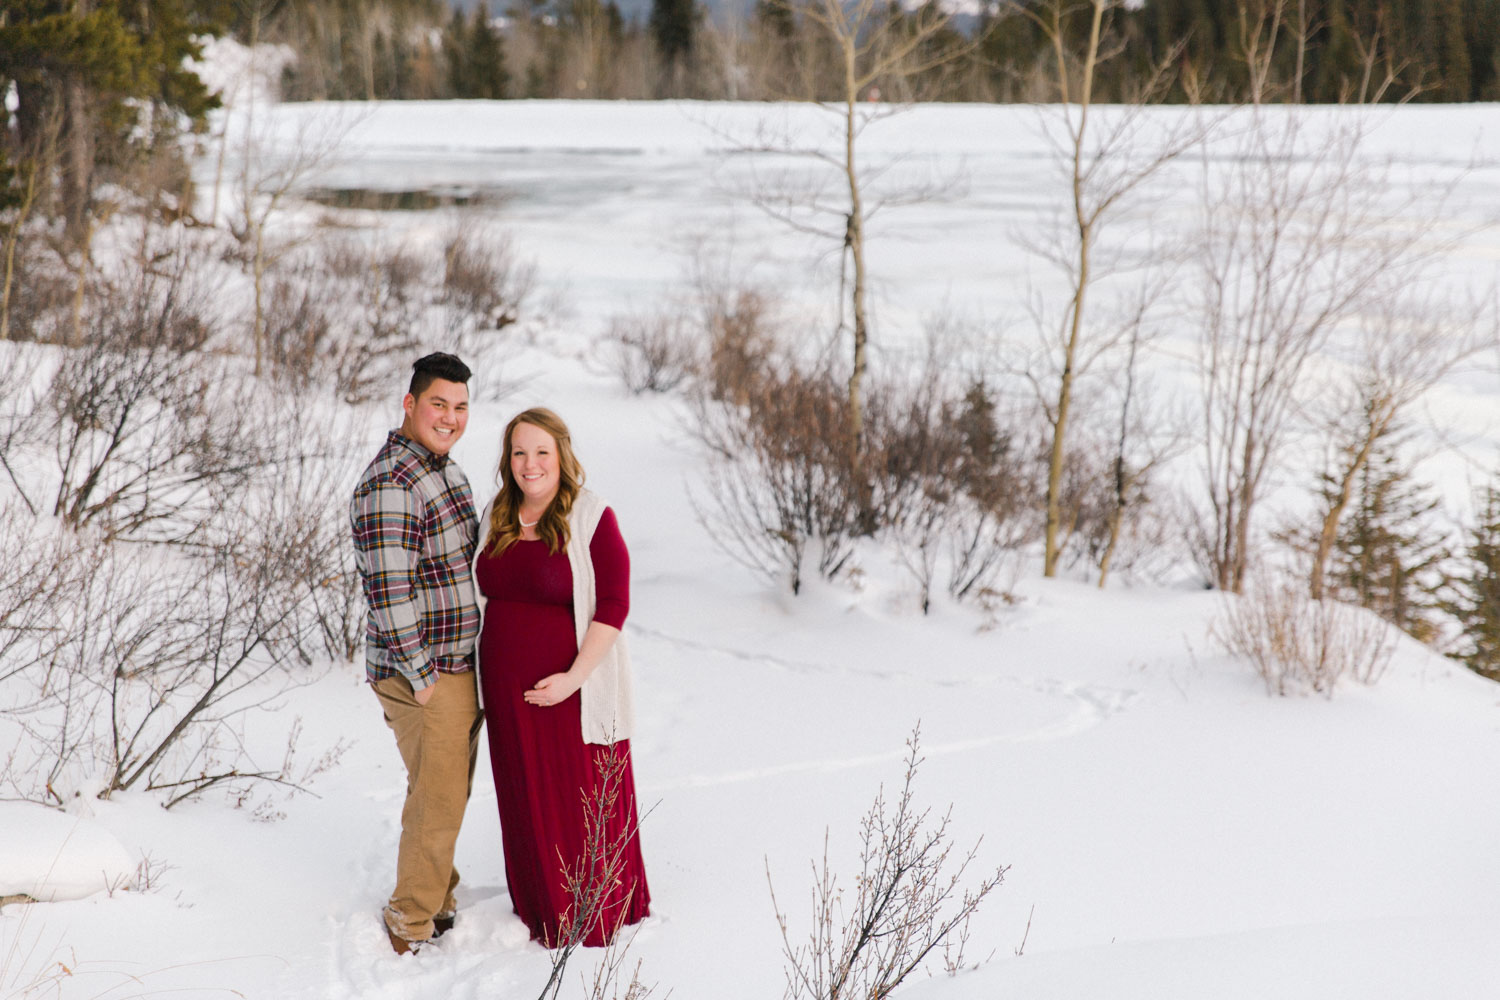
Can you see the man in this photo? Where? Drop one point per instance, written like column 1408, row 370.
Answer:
column 415, row 529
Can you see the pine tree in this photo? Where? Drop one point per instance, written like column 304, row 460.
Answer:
column 1475, row 594
column 486, row 56
column 1335, row 66
column 1456, row 68
column 456, row 54
column 113, row 75
column 673, row 26
column 1387, row 555
column 1486, row 50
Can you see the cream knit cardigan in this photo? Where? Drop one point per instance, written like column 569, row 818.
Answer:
column 608, row 705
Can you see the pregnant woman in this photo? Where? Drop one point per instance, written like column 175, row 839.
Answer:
column 554, row 584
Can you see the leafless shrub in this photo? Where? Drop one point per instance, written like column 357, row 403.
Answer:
column 218, row 632
column 594, row 882
column 485, row 285
column 144, row 659
column 306, row 497
column 947, row 480
column 42, row 570
column 148, row 439
column 983, row 542
column 383, row 289
column 20, row 403
column 938, row 474
column 1297, row 644
column 779, row 475
column 344, row 259
column 909, row 901
column 652, row 353
column 37, row 305
column 741, row 342
column 299, row 327
column 384, row 297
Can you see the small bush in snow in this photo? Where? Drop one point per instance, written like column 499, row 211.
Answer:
column 485, row 285
column 741, row 343
column 1296, row 644
column 908, row 904
column 779, row 478
column 651, row 353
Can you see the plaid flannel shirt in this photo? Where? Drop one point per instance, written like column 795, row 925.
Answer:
column 415, row 531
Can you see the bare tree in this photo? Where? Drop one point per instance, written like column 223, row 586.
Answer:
column 1260, row 24
column 35, row 166
column 874, row 48
column 1146, row 437
column 270, row 171
column 883, row 55
column 1298, row 232
column 1304, row 32
column 1105, row 162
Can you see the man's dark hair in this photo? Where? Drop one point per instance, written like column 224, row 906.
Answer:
column 437, row 366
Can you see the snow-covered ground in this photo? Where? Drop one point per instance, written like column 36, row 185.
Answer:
column 1171, row 831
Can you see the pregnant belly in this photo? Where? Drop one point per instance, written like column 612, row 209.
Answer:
column 522, row 643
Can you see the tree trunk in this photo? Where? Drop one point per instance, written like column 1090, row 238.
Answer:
column 259, row 331
column 854, row 236
column 1301, row 51
column 81, row 285
column 78, row 158
column 1328, row 531
column 1052, row 549
column 12, row 242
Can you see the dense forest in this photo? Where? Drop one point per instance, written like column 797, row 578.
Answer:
column 1313, row 51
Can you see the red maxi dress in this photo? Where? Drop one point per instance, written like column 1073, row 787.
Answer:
column 545, row 775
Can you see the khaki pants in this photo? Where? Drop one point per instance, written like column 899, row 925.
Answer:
column 438, row 744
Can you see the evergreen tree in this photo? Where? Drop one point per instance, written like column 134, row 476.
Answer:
column 1475, row 594
column 110, row 75
column 1335, row 67
column 475, row 53
column 1456, row 69
column 1386, row 556
column 487, row 74
column 673, row 26
column 456, row 54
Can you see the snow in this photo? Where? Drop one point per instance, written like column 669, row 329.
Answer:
column 52, row 856
column 1170, row 831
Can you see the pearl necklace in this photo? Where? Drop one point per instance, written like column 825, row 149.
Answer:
column 528, row 524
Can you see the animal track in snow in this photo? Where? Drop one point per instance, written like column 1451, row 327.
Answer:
column 1091, row 705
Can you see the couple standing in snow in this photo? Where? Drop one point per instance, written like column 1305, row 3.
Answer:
column 513, row 617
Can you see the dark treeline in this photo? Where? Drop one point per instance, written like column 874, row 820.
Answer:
column 100, row 93
column 1301, row 51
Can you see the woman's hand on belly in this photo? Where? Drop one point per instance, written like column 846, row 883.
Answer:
column 552, row 689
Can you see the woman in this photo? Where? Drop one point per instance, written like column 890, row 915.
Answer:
column 554, row 589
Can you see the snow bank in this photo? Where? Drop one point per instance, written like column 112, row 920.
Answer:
column 50, row 855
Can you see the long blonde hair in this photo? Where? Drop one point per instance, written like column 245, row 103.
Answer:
column 505, row 517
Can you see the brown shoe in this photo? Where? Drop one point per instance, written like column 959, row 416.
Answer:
column 442, row 923
column 403, row 946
